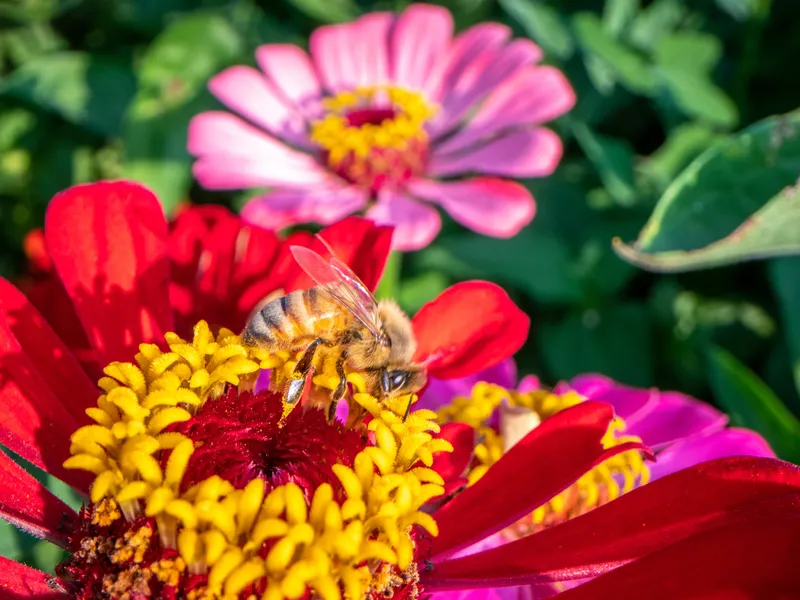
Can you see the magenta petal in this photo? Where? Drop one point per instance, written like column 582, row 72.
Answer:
column 290, row 71
column 487, row 205
column 247, row 92
column 530, row 383
column 442, row 391
column 27, row 504
column 701, row 448
column 18, row 581
column 675, row 416
column 285, row 207
column 468, row 47
column 353, row 54
column 529, row 152
column 479, row 77
column 631, row 404
column 534, row 95
column 233, row 154
column 420, row 38
column 415, row 223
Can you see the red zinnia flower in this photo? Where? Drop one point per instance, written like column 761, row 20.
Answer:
column 203, row 490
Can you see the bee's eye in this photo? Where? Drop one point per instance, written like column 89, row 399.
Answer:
column 398, row 379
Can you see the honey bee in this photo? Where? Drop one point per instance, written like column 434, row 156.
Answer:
column 374, row 338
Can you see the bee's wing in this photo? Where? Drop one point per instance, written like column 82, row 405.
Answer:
column 339, row 281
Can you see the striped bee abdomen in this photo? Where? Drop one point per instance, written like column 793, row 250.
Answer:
column 292, row 320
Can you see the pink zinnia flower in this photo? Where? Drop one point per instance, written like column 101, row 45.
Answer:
column 388, row 114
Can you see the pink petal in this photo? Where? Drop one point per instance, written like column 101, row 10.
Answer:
column 533, row 152
column 489, row 206
column 534, row 95
column 415, row 224
column 630, row 403
column 529, row 383
column 27, row 504
column 698, row 449
column 488, row 71
column 246, row 91
column 465, row 48
column 420, row 39
column 353, row 54
column 18, row 581
column 233, row 155
column 285, row 207
column 290, row 70
column 675, row 416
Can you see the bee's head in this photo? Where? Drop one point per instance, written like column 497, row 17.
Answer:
column 402, row 380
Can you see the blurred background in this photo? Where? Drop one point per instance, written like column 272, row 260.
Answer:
column 93, row 89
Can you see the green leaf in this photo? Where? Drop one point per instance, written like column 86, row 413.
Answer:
column 327, row 11
column 543, row 24
column 724, row 186
column 630, row 68
column 617, row 15
column 752, row 404
column 535, row 262
column 784, row 274
column 616, row 341
column 613, row 159
column 656, row 21
column 742, row 10
column 772, row 231
column 685, row 62
column 682, row 145
column 89, row 90
column 173, row 75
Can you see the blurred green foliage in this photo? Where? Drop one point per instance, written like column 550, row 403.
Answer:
column 95, row 89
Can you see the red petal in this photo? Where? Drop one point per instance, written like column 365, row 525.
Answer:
column 359, row 243
column 469, row 327
column 451, row 465
column 108, row 242
column 18, row 581
column 710, row 495
column 221, row 267
column 26, row 503
column 756, row 559
column 50, row 357
column 33, row 421
column 548, row 460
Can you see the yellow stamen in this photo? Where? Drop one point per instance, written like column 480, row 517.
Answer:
column 355, row 546
column 385, row 143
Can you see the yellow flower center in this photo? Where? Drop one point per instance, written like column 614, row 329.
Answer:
column 596, row 487
column 374, row 136
column 278, row 542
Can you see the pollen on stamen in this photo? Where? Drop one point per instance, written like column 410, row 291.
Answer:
column 205, row 491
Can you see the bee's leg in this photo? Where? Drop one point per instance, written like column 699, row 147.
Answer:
column 304, row 364
column 294, row 390
column 341, row 388
column 296, row 385
column 408, row 408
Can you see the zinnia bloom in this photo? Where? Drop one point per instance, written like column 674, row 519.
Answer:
column 390, row 114
column 198, row 488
